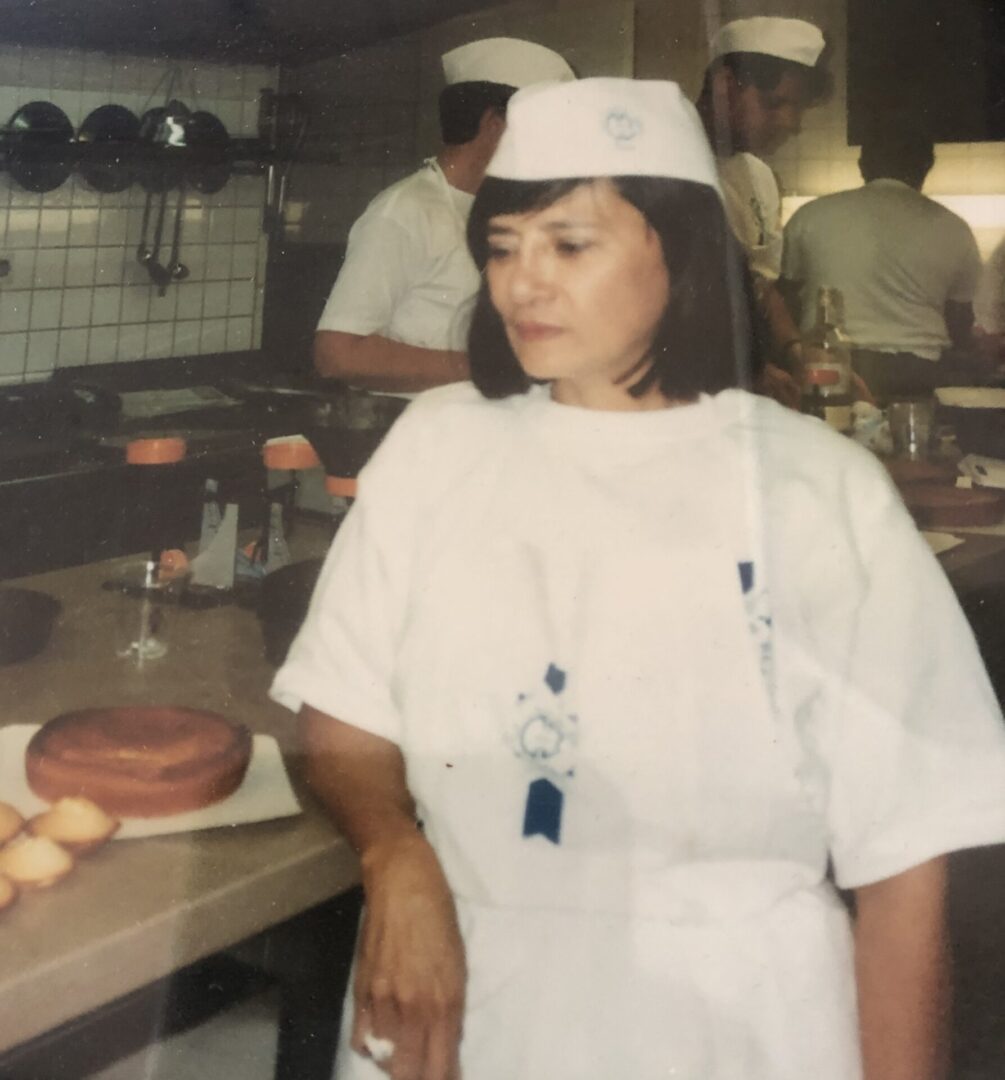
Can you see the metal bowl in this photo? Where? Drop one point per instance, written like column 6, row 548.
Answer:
column 977, row 415
column 26, row 621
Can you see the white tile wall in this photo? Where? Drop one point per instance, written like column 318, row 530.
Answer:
column 374, row 113
column 76, row 294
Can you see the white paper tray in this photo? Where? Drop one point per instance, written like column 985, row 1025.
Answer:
column 264, row 794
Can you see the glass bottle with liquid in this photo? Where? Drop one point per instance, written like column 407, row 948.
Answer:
column 827, row 369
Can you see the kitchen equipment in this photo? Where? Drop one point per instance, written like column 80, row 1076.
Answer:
column 38, row 139
column 282, row 605
column 175, row 269
column 911, row 427
column 26, row 620
column 139, row 635
column 212, row 168
column 163, row 128
column 346, row 430
column 977, row 415
column 282, row 128
column 106, row 133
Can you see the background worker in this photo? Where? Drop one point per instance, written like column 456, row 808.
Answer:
column 906, row 266
column 764, row 73
column 396, row 319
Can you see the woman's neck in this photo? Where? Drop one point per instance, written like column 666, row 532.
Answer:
column 606, row 397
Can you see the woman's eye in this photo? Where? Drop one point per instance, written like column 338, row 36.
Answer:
column 497, row 253
column 571, row 247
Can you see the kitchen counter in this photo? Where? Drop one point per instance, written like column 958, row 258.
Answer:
column 137, row 910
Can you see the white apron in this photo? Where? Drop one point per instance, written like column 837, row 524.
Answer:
column 639, row 919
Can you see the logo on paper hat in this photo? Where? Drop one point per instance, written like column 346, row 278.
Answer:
column 603, row 127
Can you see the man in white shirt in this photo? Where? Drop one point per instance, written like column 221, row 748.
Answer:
column 907, row 267
column 764, row 73
column 396, row 320
column 989, row 307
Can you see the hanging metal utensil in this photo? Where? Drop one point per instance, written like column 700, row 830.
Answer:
column 158, row 274
column 144, row 253
column 165, row 129
column 176, row 270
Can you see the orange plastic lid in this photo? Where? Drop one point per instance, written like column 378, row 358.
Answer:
column 155, row 451
column 290, row 452
column 341, row 485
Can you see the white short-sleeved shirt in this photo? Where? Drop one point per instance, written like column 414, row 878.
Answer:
column 714, row 642
column 407, row 273
column 897, row 257
column 754, row 211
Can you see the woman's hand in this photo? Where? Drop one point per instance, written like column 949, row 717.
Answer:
column 410, row 971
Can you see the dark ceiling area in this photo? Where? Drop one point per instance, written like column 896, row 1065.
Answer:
column 266, row 31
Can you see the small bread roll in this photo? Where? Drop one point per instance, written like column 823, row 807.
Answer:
column 35, row 862
column 11, row 822
column 8, row 892
column 76, row 823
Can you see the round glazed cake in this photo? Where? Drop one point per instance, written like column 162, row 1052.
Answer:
column 139, row 761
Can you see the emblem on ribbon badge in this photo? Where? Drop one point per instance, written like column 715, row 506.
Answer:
column 544, row 734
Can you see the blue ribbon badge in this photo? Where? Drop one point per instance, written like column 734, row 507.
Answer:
column 544, row 735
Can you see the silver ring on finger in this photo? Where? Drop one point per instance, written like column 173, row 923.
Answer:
column 380, row 1050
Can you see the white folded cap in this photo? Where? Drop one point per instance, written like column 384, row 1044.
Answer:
column 788, row 39
column 603, row 127
column 509, row 61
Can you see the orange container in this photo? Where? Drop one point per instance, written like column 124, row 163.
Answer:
column 341, row 485
column 290, row 454
column 164, row 451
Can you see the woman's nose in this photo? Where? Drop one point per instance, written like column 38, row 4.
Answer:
column 529, row 277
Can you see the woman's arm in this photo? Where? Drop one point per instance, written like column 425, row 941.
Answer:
column 902, row 973
column 410, row 973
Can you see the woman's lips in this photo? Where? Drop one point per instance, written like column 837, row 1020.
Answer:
column 531, row 331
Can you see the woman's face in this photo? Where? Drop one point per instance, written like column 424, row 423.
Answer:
column 580, row 286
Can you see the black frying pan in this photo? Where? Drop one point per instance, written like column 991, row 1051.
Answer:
column 38, row 139
column 165, row 127
column 106, row 132
column 209, row 137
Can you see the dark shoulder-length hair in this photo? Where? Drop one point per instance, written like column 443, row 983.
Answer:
column 708, row 338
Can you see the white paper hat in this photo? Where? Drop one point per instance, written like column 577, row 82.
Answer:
column 509, row 61
column 788, row 39
column 603, row 127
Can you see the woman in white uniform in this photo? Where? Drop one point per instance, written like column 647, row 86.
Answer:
column 611, row 658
